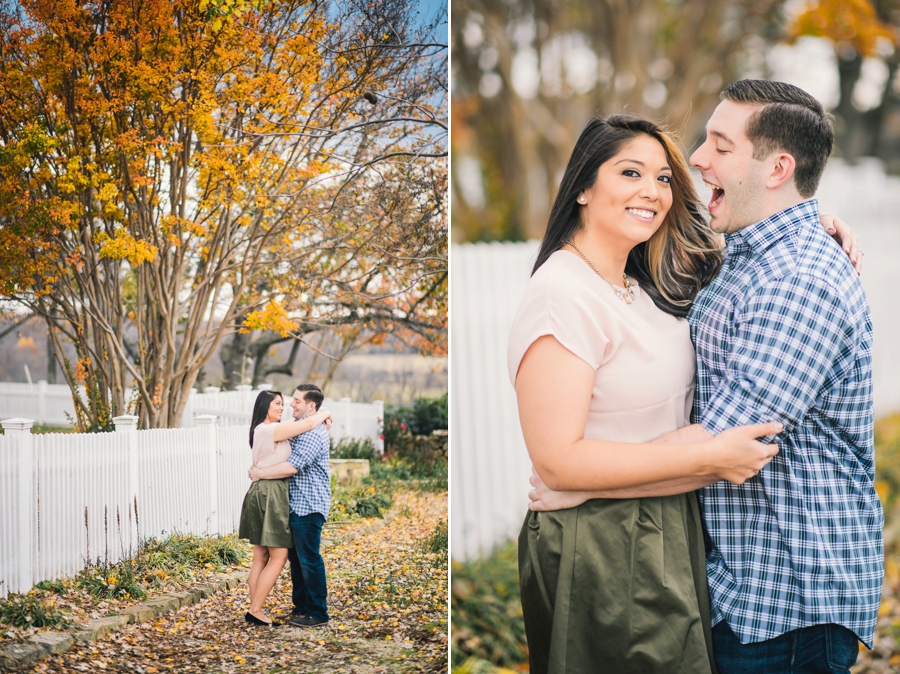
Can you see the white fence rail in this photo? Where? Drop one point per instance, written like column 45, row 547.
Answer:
column 489, row 462
column 51, row 404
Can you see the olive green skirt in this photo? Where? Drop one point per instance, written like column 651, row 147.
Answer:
column 266, row 514
column 617, row 586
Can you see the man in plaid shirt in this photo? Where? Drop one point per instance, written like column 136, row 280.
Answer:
column 795, row 554
column 310, row 500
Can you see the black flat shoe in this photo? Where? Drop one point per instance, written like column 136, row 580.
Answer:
column 253, row 620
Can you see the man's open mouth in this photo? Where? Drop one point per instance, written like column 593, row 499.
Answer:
column 717, row 194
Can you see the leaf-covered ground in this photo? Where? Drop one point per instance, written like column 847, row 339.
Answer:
column 387, row 600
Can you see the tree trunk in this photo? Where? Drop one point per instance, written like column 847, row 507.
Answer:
column 51, row 358
column 234, row 355
column 847, row 116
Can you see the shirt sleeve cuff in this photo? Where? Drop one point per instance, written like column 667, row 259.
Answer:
column 296, row 460
column 733, row 406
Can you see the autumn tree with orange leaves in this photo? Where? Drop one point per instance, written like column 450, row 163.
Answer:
column 175, row 171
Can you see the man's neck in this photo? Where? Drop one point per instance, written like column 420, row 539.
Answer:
column 781, row 201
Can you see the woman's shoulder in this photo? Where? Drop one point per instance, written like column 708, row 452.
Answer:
column 264, row 430
column 564, row 283
column 561, row 269
column 562, row 301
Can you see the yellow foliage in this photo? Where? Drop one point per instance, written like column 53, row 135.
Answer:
column 82, row 368
column 845, row 21
column 125, row 247
column 26, row 343
column 172, row 224
column 271, row 317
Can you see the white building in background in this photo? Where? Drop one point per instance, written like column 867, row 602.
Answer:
column 489, row 462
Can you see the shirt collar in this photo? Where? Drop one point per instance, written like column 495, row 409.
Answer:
column 759, row 236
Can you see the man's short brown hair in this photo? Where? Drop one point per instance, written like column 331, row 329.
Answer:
column 790, row 120
column 312, row 394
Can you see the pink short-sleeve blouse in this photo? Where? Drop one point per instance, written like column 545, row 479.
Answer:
column 267, row 452
column 642, row 357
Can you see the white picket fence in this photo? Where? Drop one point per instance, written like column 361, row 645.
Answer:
column 489, row 462
column 51, row 404
column 66, row 499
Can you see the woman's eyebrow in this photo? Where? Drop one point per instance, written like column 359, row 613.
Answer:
column 638, row 161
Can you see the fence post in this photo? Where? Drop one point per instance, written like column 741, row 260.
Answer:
column 379, row 426
column 42, row 402
column 24, row 519
column 187, row 416
column 246, row 395
column 127, row 425
column 208, row 422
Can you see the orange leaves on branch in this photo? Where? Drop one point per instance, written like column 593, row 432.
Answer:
column 221, row 12
column 272, row 317
column 82, row 369
column 845, row 21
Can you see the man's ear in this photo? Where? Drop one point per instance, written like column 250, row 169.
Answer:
column 782, row 169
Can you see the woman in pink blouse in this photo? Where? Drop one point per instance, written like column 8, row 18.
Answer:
column 265, row 513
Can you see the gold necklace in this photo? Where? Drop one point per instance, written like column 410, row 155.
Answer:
column 625, row 294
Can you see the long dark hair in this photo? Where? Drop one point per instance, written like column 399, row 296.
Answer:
column 261, row 410
column 681, row 257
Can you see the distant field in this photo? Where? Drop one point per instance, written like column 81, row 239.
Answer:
column 394, row 378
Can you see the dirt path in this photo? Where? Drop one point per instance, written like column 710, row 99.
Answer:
column 387, row 600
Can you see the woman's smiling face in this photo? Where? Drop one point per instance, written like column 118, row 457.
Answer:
column 276, row 407
column 632, row 194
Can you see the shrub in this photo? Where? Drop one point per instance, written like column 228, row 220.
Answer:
column 486, row 610
column 32, row 610
column 181, row 554
column 438, row 543
column 426, row 415
column 415, row 474
column 56, row 587
column 350, row 448
column 438, row 540
column 366, row 500
column 113, row 581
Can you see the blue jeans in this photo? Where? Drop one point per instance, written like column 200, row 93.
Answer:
column 825, row 649
column 307, row 566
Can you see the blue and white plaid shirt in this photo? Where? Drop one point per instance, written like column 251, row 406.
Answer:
column 310, row 486
column 784, row 334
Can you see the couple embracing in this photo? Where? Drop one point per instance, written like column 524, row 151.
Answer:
column 288, row 503
column 700, row 420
